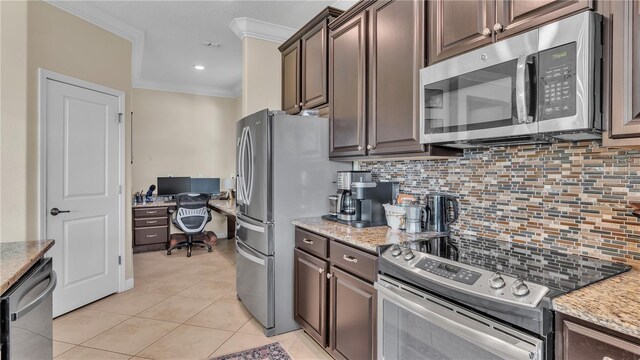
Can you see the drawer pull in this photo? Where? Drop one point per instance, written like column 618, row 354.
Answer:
column 320, row 270
column 152, row 221
column 152, row 212
column 152, row 235
column 307, row 241
column 607, row 358
column 350, row 258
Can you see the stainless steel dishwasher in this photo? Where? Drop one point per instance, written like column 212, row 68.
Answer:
column 26, row 323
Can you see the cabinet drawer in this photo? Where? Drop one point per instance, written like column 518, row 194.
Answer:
column 151, row 235
column 353, row 260
column 150, row 212
column 150, row 222
column 311, row 243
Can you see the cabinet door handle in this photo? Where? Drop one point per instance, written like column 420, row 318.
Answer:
column 497, row 27
column 307, row 241
column 607, row 358
column 301, row 104
column 152, row 236
column 350, row 258
column 359, row 147
column 329, row 275
column 486, row 32
column 320, row 270
column 370, row 147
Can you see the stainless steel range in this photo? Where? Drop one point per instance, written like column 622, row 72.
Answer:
column 475, row 298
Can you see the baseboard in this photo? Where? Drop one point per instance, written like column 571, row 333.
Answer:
column 128, row 285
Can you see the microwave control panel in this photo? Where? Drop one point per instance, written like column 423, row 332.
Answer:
column 557, row 82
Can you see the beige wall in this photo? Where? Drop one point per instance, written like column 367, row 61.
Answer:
column 177, row 134
column 37, row 35
column 261, row 80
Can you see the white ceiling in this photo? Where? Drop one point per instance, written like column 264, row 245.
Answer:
column 167, row 37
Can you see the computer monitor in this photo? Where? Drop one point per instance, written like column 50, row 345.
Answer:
column 205, row 185
column 173, row 185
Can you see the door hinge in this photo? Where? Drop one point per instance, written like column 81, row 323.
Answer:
column 119, row 189
column 120, row 117
column 119, row 260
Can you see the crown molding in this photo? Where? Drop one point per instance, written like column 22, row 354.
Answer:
column 136, row 36
column 188, row 89
column 344, row 4
column 248, row 27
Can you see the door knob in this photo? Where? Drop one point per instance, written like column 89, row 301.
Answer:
column 486, row 32
column 497, row 27
column 359, row 147
column 56, row 211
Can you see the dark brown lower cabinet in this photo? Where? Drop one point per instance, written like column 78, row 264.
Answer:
column 310, row 295
column 335, row 301
column 351, row 317
column 580, row 340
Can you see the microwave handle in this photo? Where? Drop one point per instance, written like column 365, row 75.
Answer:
column 521, row 101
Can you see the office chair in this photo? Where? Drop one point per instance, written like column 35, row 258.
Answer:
column 191, row 216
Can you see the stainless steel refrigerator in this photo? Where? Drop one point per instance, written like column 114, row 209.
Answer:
column 283, row 173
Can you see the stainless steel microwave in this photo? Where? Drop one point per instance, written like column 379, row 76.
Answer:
column 536, row 86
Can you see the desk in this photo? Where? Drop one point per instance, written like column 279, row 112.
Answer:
column 152, row 223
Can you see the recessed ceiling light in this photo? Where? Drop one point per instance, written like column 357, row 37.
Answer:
column 199, row 67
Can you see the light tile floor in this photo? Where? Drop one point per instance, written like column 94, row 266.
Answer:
column 180, row 308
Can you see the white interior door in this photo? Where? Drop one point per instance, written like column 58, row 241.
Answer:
column 82, row 181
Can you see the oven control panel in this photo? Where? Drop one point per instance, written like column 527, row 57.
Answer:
column 557, row 88
column 422, row 270
column 449, row 271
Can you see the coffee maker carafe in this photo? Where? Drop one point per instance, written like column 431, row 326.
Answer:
column 439, row 208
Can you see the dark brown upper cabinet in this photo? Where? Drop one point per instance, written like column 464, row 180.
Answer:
column 304, row 65
column 624, row 51
column 352, row 317
column 456, row 27
column 514, row 16
column 291, row 79
column 459, row 26
column 396, row 55
column 314, row 67
column 310, row 294
column 347, row 87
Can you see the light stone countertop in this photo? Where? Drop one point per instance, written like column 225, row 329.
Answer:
column 370, row 238
column 613, row 303
column 16, row 258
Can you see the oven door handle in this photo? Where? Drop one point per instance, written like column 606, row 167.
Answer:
column 467, row 328
column 53, row 279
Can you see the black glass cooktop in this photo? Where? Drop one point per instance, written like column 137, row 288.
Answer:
column 560, row 272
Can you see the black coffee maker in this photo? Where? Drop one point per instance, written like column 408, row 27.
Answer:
column 360, row 199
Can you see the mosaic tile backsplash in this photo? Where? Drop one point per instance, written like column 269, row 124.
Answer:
column 571, row 197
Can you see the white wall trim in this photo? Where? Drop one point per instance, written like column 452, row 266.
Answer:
column 188, row 89
column 136, row 36
column 43, row 76
column 128, row 285
column 248, row 27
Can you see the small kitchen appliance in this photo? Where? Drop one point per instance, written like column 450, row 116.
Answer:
column 475, row 298
column 360, row 199
column 439, row 209
column 414, row 216
column 543, row 85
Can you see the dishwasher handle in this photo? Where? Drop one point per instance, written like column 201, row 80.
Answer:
column 53, row 279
